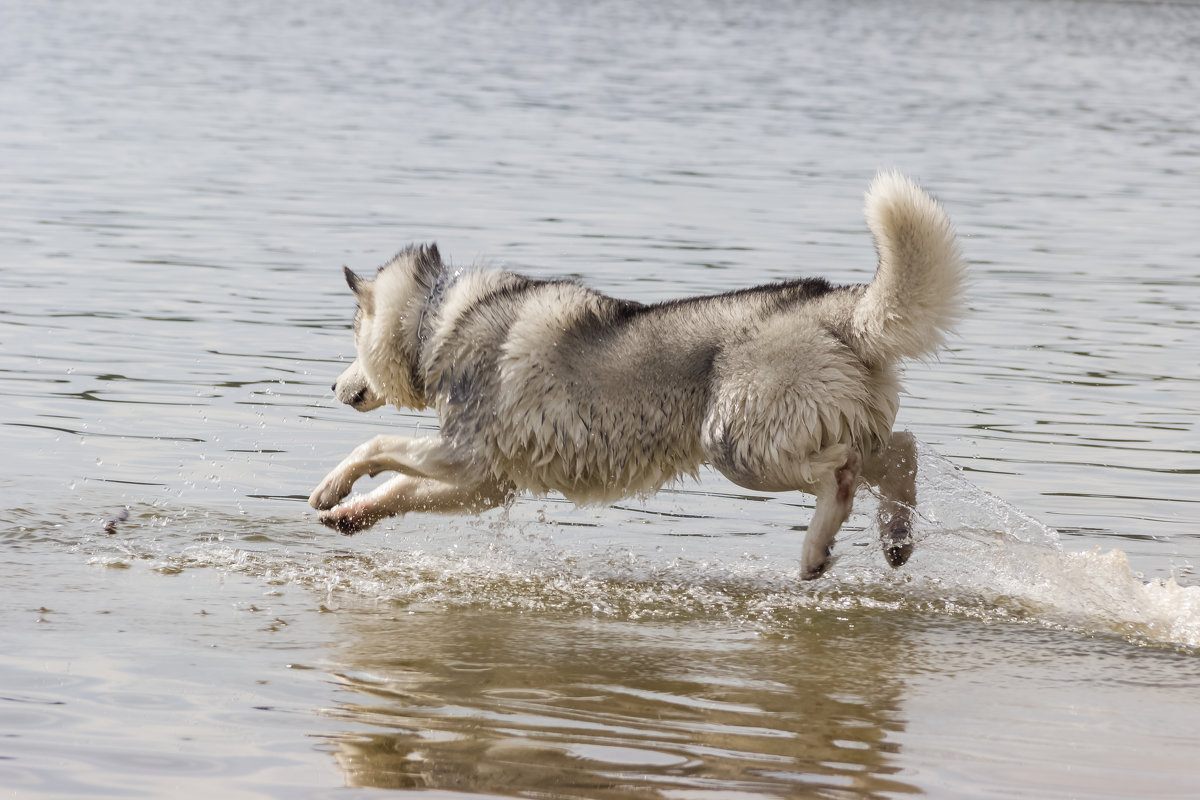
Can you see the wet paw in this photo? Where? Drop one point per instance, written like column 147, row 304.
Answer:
column 346, row 521
column 897, row 542
column 815, row 570
column 897, row 555
column 812, row 573
column 328, row 494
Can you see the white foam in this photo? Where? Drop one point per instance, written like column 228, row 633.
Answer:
column 980, row 556
column 975, row 556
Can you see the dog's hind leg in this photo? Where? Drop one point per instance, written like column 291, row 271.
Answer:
column 894, row 471
column 835, row 500
column 405, row 493
column 831, row 473
column 422, row 457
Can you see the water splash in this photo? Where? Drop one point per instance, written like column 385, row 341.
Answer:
column 981, row 557
column 975, row 556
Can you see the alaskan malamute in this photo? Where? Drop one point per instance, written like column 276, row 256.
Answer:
column 545, row 385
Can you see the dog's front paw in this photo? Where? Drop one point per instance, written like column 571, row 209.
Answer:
column 329, row 493
column 348, row 518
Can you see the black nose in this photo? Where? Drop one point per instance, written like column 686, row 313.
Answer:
column 333, row 386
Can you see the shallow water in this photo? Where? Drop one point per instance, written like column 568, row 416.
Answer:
column 181, row 187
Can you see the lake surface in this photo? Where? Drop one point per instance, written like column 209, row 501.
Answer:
column 181, row 184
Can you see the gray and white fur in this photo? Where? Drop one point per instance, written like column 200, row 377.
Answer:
column 550, row 386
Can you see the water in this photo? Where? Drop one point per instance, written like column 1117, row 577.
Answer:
column 180, row 188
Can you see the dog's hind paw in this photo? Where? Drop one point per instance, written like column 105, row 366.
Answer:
column 897, row 542
column 812, row 571
column 897, row 555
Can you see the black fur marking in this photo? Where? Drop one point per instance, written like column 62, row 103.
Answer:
column 838, row 335
column 463, row 388
column 780, row 296
column 603, row 315
column 483, row 304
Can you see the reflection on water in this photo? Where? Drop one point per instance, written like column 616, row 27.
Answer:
column 581, row 708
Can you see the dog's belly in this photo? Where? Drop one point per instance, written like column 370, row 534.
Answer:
column 598, row 451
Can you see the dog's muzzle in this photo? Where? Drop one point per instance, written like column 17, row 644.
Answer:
column 352, row 389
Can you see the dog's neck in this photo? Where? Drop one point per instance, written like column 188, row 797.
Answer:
column 433, row 301
column 426, row 322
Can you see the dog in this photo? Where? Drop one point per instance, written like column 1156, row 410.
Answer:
column 545, row 385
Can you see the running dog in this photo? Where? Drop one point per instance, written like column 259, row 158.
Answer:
column 545, row 385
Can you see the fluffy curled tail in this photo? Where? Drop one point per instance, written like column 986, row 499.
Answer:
column 916, row 296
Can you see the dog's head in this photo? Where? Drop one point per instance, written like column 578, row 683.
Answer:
column 387, row 325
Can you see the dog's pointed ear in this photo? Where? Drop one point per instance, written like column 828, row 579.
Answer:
column 426, row 264
column 361, row 287
column 352, row 280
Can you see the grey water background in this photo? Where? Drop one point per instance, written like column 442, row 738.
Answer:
column 179, row 187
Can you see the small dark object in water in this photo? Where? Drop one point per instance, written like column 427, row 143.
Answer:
column 110, row 524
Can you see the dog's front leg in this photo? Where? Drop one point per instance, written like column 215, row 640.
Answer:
column 405, row 493
column 425, row 456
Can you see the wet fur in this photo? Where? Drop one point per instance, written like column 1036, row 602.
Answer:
column 550, row 386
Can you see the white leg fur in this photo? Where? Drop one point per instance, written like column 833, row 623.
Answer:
column 835, row 499
column 405, row 493
column 423, row 457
